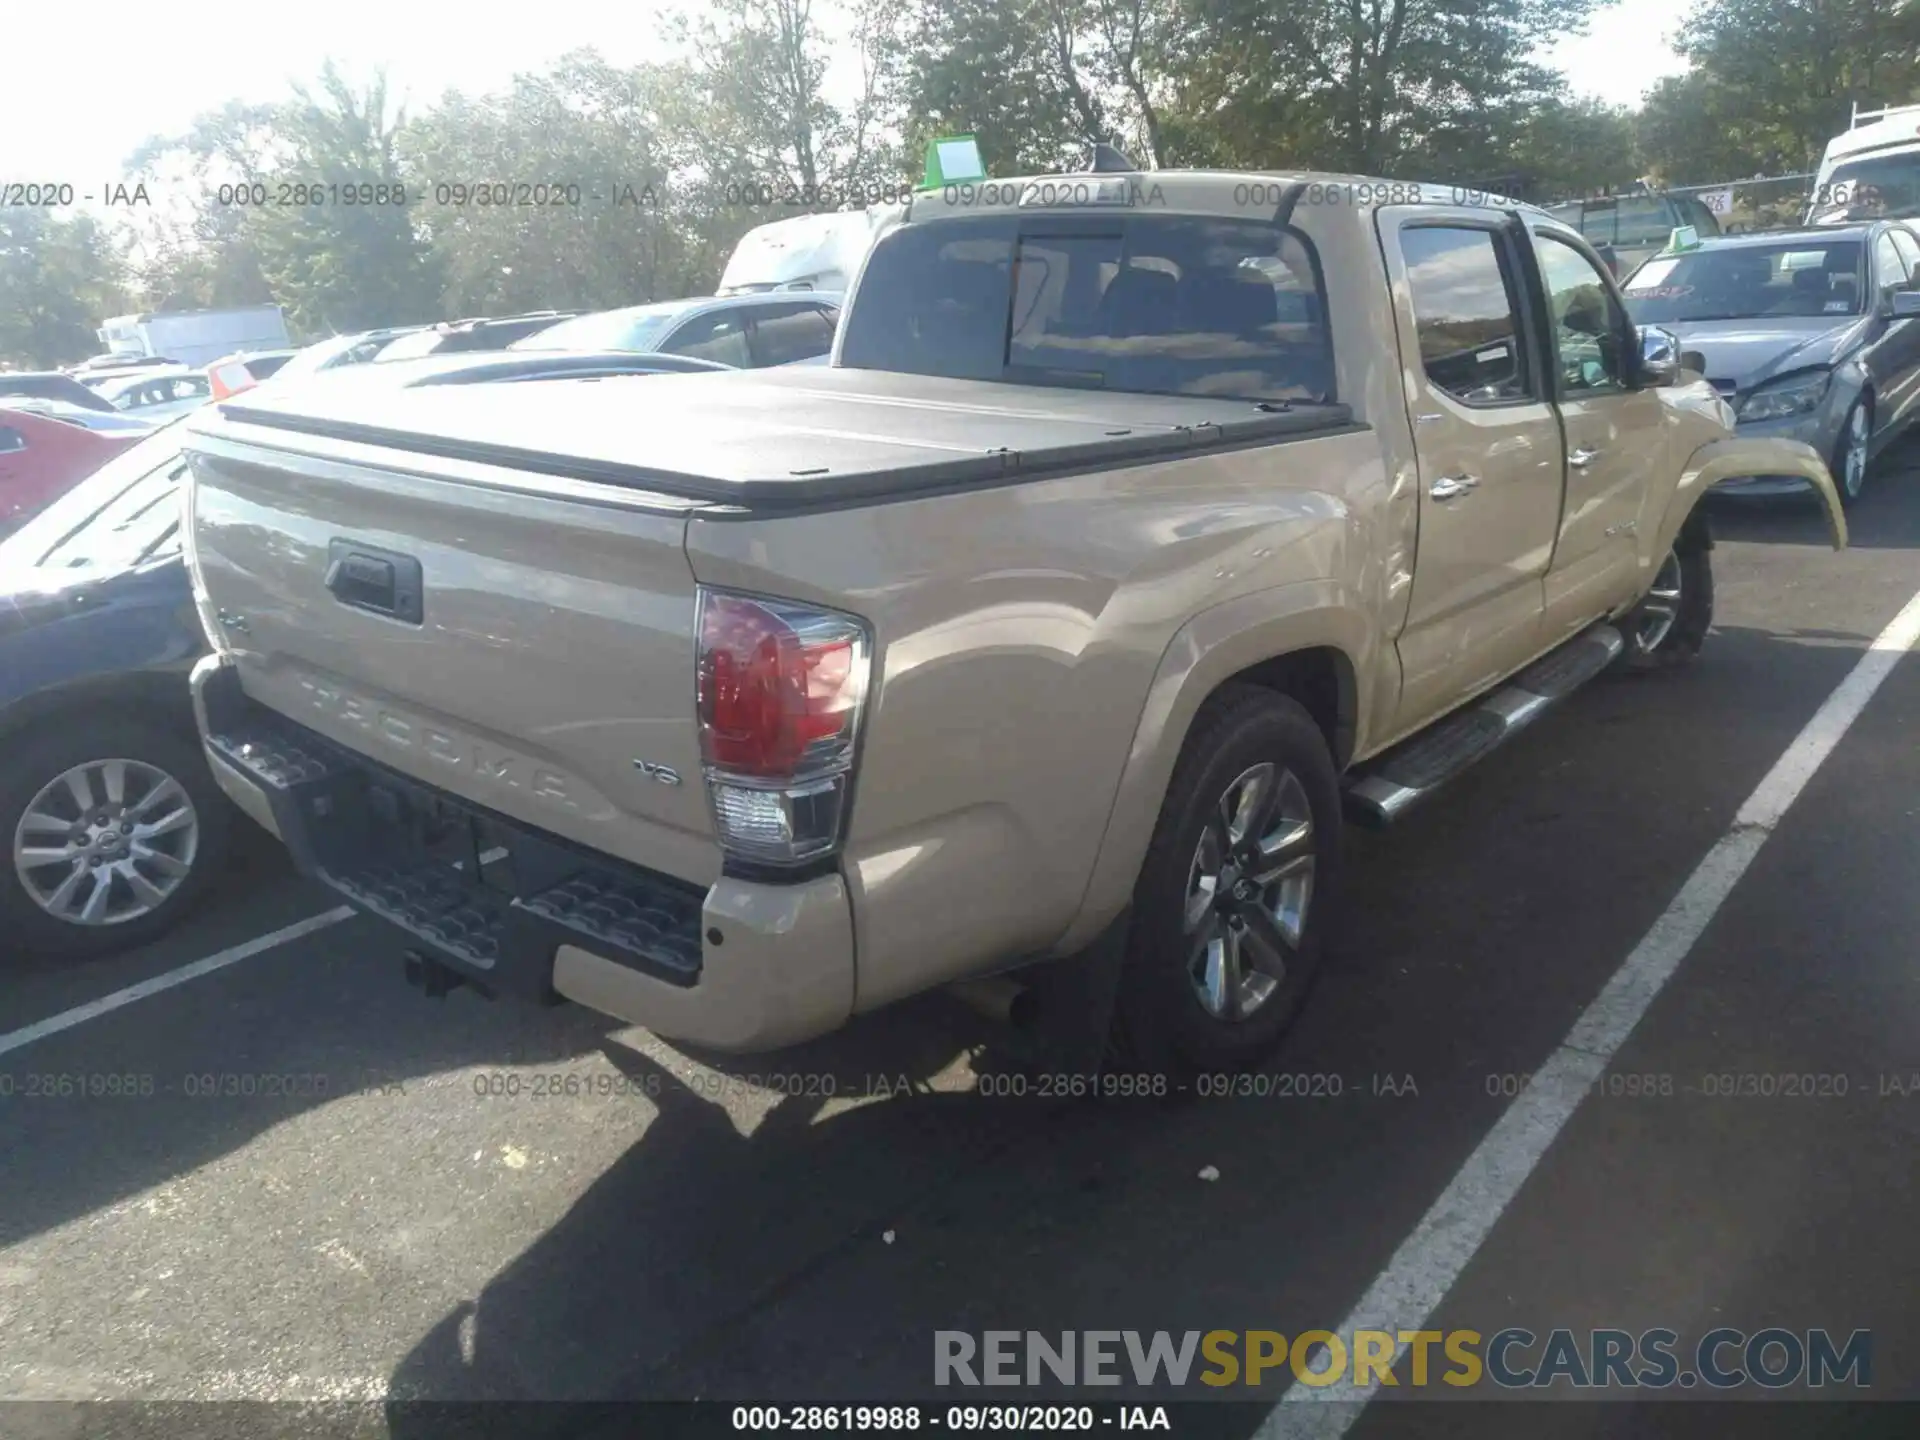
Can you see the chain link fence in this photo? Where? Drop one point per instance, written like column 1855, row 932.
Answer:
column 1762, row 202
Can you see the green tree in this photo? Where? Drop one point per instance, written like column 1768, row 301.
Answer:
column 59, row 278
column 343, row 261
column 1562, row 149
column 1371, row 86
column 1773, row 80
column 589, row 139
column 1014, row 73
column 201, row 254
column 763, row 114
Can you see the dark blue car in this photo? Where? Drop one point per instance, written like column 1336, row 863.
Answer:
column 112, row 824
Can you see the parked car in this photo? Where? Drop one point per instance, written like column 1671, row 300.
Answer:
column 742, row 331
column 341, row 350
column 1809, row 334
column 113, row 825
column 157, row 395
column 108, row 422
column 1627, row 229
column 98, row 367
column 236, row 373
column 42, row 457
column 49, row 385
column 482, row 333
column 1046, row 639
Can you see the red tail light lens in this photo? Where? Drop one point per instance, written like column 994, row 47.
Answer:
column 780, row 690
column 780, row 686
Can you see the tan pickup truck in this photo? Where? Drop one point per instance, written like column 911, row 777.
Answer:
column 1142, row 528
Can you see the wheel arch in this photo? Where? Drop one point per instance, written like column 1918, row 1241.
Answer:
column 1308, row 641
column 147, row 694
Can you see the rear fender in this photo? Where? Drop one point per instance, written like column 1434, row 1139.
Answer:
column 1208, row 650
column 1736, row 456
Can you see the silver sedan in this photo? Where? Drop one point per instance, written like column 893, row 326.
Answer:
column 1809, row 334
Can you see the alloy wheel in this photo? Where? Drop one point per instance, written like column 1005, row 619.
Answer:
column 1853, row 461
column 106, row 841
column 1661, row 607
column 1248, row 890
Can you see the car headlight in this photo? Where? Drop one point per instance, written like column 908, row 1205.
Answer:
column 1796, row 395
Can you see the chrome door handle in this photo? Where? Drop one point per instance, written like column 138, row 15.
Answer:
column 1452, row 487
column 1582, row 457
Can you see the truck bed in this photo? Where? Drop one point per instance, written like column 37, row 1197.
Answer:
column 770, row 439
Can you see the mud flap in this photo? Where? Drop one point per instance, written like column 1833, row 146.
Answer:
column 1070, row 1024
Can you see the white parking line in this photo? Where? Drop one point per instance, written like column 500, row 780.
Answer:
column 233, row 955
column 1431, row 1259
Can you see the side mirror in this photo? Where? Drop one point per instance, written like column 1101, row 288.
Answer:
column 1906, row 303
column 1659, row 356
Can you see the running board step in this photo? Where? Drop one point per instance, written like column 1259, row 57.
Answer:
column 1385, row 788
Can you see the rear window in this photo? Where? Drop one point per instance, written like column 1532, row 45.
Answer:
column 1165, row 305
column 1628, row 220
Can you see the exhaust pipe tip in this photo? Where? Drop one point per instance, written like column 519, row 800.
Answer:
column 1000, row 999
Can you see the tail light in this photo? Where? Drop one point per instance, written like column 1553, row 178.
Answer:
column 780, row 690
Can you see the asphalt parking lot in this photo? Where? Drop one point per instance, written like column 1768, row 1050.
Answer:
column 311, row 1183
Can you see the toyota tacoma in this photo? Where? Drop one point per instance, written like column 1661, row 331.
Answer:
column 1143, row 529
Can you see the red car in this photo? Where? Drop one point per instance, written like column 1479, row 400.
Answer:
column 41, row 458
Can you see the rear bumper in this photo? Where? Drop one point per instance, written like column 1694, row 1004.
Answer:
column 518, row 912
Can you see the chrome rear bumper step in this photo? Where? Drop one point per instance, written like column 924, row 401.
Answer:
column 1382, row 790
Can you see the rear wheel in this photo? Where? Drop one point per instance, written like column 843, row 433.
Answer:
column 1225, row 942
column 114, row 829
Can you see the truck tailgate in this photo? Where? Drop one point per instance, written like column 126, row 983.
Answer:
column 523, row 651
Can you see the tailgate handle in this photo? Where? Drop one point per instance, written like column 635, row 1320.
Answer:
column 366, row 577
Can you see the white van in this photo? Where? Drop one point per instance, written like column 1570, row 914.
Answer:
column 196, row 337
column 1872, row 171
column 806, row 252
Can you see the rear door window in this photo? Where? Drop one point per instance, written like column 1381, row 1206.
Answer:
column 11, row 440
column 1168, row 305
column 1466, row 312
column 719, row 335
column 783, row 334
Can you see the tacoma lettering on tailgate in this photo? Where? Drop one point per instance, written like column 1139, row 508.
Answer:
column 499, row 768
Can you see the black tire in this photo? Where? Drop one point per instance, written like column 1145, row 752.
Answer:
column 43, row 756
column 1161, row 1024
column 1837, row 463
column 1680, row 643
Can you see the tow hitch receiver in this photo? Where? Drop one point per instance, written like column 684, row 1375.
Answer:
column 434, row 979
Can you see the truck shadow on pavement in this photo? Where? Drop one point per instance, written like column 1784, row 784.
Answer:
column 808, row 1250
column 215, row 1064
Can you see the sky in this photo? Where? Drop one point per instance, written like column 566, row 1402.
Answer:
column 76, row 123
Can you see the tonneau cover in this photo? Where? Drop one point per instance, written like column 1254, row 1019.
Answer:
column 772, row 438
